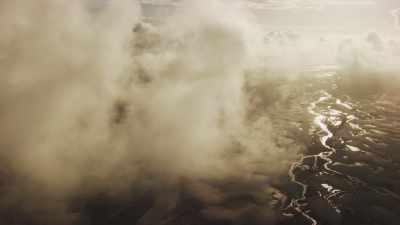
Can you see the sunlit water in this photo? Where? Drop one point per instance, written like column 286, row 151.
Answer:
column 350, row 172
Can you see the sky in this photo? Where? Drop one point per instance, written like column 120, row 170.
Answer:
column 337, row 15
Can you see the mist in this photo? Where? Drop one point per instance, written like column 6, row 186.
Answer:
column 97, row 103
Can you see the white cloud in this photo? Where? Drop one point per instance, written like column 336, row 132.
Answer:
column 280, row 4
column 160, row 2
column 351, row 2
column 304, row 4
column 269, row 4
column 396, row 15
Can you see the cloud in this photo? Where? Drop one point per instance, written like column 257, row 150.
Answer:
column 269, row 4
column 96, row 102
column 304, row 4
column 396, row 17
column 160, row 2
column 277, row 4
column 351, row 2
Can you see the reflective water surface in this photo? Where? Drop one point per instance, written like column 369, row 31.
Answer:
column 350, row 171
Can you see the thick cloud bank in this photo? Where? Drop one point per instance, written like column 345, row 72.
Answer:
column 98, row 107
column 95, row 101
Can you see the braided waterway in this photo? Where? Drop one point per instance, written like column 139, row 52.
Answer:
column 348, row 174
